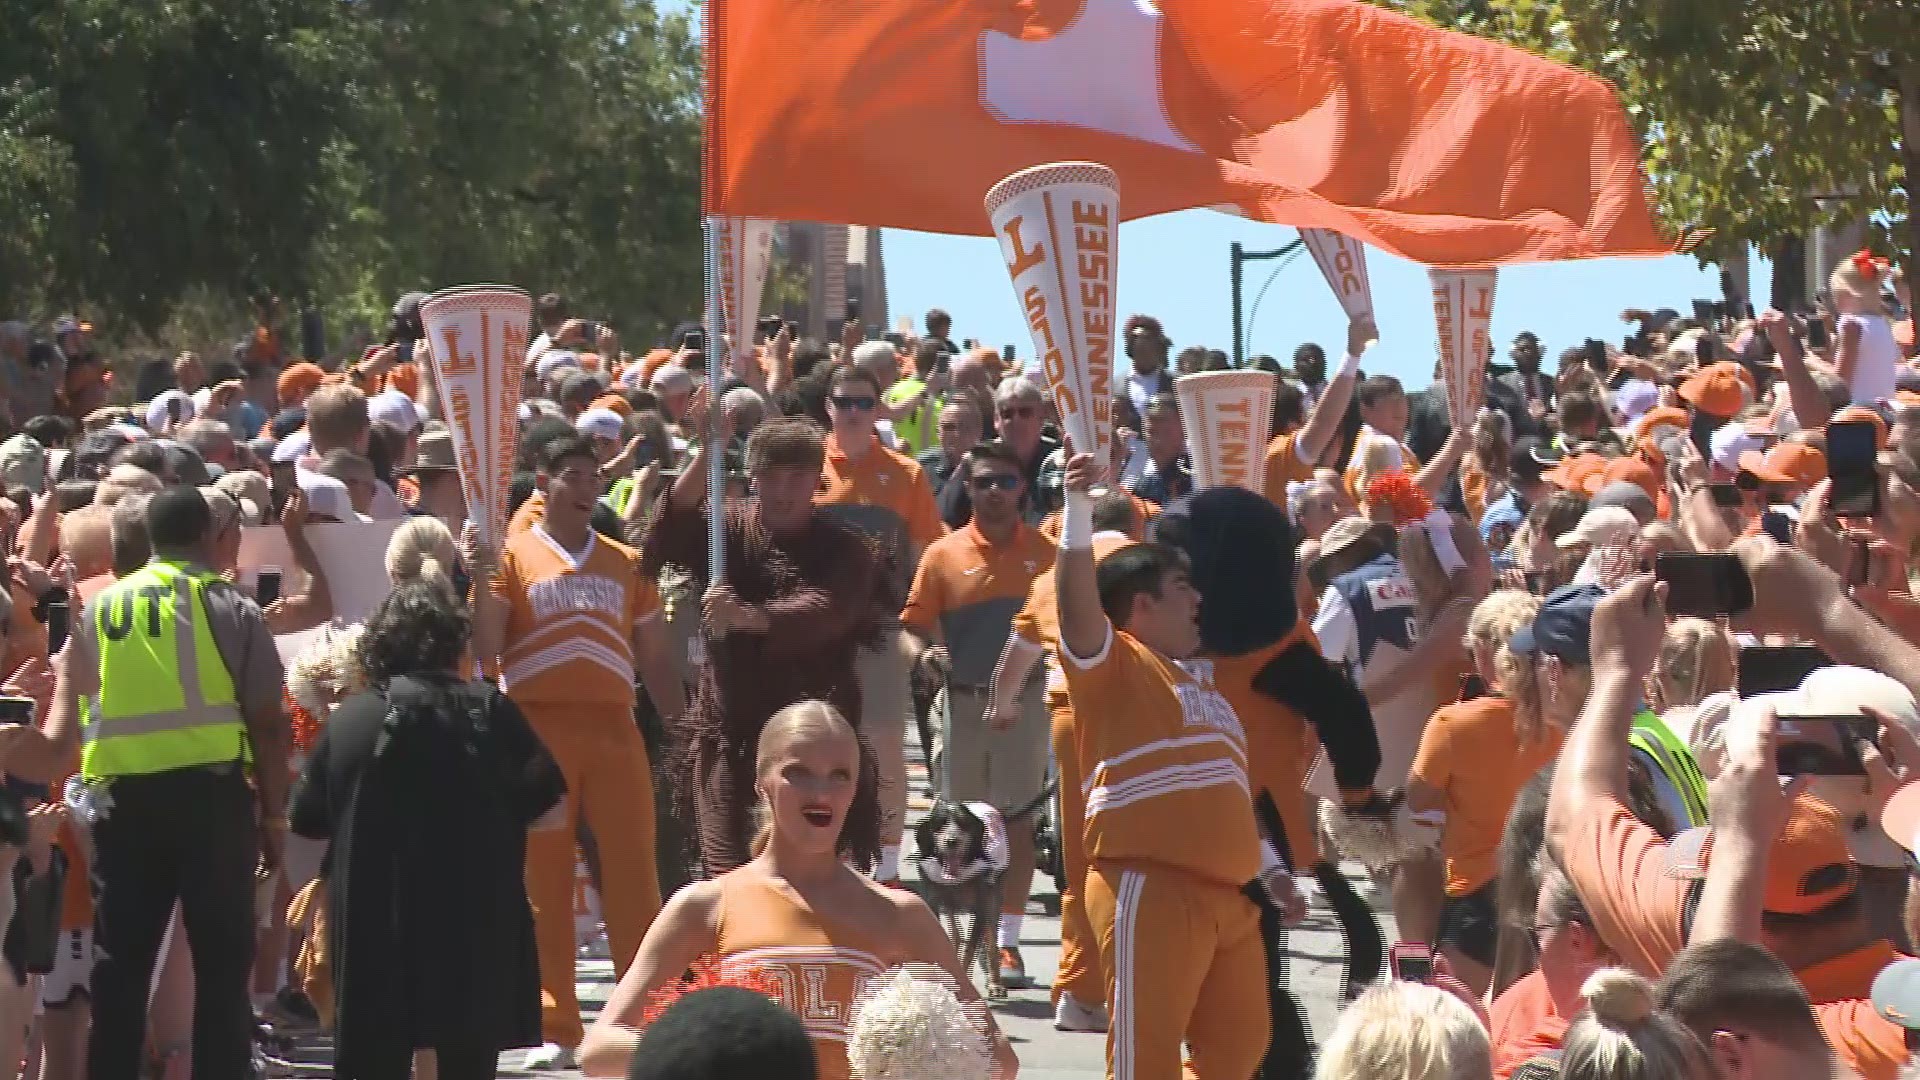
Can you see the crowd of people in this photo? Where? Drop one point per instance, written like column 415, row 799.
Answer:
column 1555, row 675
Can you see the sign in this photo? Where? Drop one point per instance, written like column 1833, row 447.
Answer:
column 1463, row 315
column 1228, row 416
column 1343, row 262
column 479, row 345
column 742, row 253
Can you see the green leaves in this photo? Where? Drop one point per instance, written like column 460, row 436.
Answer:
column 156, row 153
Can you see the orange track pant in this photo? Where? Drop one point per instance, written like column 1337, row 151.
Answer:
column 1081, row 973
column 610, row 785
column 1186, row 964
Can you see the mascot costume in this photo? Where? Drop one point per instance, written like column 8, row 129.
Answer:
column 1266, row 663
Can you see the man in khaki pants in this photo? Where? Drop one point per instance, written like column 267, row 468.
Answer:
column 970, row 586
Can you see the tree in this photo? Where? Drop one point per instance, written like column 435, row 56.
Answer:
column 1749, row 109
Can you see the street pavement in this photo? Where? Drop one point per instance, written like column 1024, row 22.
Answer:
column 1316, row 959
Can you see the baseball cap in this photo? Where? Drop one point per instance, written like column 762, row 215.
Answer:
column 1630, row 470
column 600, row 424
column 1563, row 627
column 157, row 409
column 1787, row 463
column 1663, row 416
column 1525, row 461
column 293, row 447
column 553, row 360
column 298, row 379
column 1603, row 526
column 1896, row 993
column 395, row 408
column 671, row 379
column 286, row 422
column 1729, row 441
column 1636, row 398
column 1574, row 470
column 1349, row 531
column 1845, row 691
column 1718, row 389
column 326, row 497
column 1808, row 865
column 1629, row 496
column 615, row 402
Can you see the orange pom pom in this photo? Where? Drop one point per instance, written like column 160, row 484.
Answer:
column 306, row 727
column 1397, row 492
column 703, row 975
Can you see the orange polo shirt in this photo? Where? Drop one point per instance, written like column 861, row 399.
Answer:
column 887, row 496
column 1285, row 467
column 970, row 588
column 1841, row 989
column 528, row 513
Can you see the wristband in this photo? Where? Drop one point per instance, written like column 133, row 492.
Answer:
column 1349, row 365
column 1076, row 525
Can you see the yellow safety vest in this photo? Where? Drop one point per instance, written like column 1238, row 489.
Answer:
column 1652, row 737
column 166, row 698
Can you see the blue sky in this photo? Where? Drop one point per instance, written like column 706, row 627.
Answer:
column 1175, row 268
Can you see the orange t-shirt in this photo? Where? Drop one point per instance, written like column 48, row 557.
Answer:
column 1285, row 467
column 887, row 496
column 1525, row 1025
column 1160, row 750
column 970, row 589
column 1468, row 753
column 820, row 961
column 1841, row 990
column 570, row 621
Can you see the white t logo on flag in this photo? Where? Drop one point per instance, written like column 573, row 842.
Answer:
column 1101, row 73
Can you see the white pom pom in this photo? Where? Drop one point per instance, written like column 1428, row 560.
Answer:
column 906, row 1027
column 1381, row 842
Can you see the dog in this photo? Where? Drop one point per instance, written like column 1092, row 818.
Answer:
column 961, row 852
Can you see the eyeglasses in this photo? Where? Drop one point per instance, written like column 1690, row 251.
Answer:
column 857, row 404
column 1538, row 932
column 996, row 482
column 1019, row 412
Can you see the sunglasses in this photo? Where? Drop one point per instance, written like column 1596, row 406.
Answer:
column 859, row 404
column 996, row 482
column 1019, row 412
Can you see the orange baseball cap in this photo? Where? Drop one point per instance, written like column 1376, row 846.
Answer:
column 1860, row 413
column 1638, row 472
column 1787, row 463
column 614, row 402
column 1718, row 389
column 1663, row 416
column 300, row 378
column 1574, row 471
column 1809, row 867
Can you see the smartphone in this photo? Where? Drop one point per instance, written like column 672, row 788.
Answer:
column 267, row 589
column 1617, row 378
column 1703, row 312
column 591, row 332
column 1817, row 332
column 1596, row 354
column 853, row 309
column 175, row 406
column 771, row 326
column 59, row 623
column 1853, row 462
column 16, row 710
column 1824, row 745
column 405, row 351
column 1704, row 585
column 1726, row 496
column 695, row 339
column 1006, row 355
column 1412, row 961
column 1776, row 669
column 1777, row 525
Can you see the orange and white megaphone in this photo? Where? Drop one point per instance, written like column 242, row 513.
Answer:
column 478, row 345
column 1343, row 262
column 1227, row 416
column 1059, row 229
column 1463, row 315
column 742, row 253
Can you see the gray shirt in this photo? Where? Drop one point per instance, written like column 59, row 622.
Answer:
column 246, row 647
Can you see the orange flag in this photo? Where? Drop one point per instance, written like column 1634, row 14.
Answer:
column 1439, row 147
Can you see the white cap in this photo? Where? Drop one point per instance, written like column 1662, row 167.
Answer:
column 1601, row 527
column 1635, row 399
column 671, row 379
column 395, row 408
column 553, row 360
column 293, row 447
column 326, row 497
column 157, row 408
column 1845, row 691
column 600, row 423
column 1730, row 441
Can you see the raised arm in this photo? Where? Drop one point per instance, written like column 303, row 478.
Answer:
column 1628, row 627
column 1324, row 424
column 1084, row 628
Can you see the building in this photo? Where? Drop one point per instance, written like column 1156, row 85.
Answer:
column 818, row 268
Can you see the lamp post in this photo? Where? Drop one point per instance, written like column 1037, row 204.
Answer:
column 1238, row 256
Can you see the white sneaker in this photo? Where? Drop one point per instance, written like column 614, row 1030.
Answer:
column 1072, row 1015
column 549, row 1057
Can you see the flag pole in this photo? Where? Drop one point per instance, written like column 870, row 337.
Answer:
column 711, row 316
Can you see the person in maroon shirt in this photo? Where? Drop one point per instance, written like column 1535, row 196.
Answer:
column 797, row 600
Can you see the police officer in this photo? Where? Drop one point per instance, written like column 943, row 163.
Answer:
column 171, row 692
